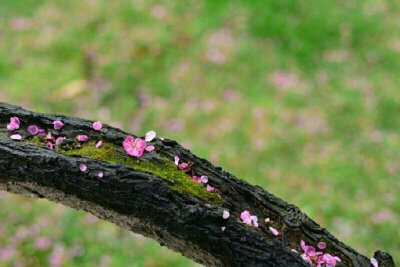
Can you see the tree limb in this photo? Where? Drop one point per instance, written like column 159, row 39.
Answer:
column 146, row 203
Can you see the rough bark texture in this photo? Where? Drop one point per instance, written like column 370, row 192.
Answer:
column 145, row 204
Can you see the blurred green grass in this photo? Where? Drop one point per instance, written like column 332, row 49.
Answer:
column 300, row 97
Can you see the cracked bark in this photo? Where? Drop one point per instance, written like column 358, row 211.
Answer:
column 143, row 203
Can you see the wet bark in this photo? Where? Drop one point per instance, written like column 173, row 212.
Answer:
column 143, row 203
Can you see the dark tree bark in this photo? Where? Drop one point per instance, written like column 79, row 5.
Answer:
column 146, row 204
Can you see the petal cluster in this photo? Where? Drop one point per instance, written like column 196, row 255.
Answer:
column 136, row 146
column 14, row 124
column 200, row 179
column 248, row 218
column 319, row 258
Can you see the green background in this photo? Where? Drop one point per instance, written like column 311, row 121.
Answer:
column 300, row 97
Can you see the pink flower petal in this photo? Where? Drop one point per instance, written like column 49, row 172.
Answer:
column 225, row 215
column 204, row 179
column 49, row 145
column 41, row 133
column 374, row 262
column 97, row 126
column 196, row 179
column 12, row 127
column 150, row 136
column 321, row 245
column 100, row 175
column 82, row 167
column 82, row 138
column 210, row 188
column 245, row 216
column 16, row 137
column 58, row 125
column 183, row 166
column 248, row 218
column 98, row 144
column 15, row 120
column 176, row 159
column 150, row 148
column 223, row 228
column 273, row 231
column 59, row 140
column 254, row 220
column 33, row 130
column 295, row 251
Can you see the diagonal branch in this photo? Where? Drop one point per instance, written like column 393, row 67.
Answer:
column 152, row 197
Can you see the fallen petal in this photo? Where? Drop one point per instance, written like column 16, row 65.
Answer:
column 273, row 231
column 58, row 125
column 59, row 140
column 204, row 179
column 12, row 127
column 82, row 138
column 321, row 245
column 150, row 136
column 16, row 137
column 98, row 144
column 83, row 167
column 226, row 214
column 33, row 130
column 150, row 148
column 97, row 126
column 15, row 120
column 210, row 188
column 374, row 262
column 101, row 174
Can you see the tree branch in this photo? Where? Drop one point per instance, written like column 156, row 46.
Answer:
column 140, row 196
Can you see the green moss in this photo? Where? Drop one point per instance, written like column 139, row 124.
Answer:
column 166, row 170
column 36, row 140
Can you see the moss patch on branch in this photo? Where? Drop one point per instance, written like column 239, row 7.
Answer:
column 166, row 170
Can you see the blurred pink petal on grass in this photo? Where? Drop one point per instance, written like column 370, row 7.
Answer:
column 57, row 256
column 382, row 216
column 231, row 95
column 158, row 12
column 43, row 243
column 7, row 252
column 283, row 80
column 21, row 24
